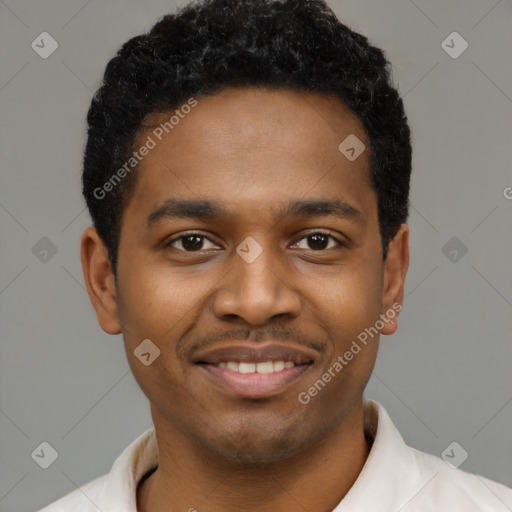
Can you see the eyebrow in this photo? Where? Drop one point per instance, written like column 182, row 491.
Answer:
column 323, row 207
column 212, row 210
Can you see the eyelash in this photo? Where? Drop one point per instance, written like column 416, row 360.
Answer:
column 325, row 233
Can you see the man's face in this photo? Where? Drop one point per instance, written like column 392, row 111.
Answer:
column 251, row 154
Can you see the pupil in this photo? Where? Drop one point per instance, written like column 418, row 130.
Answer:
column 196, row 242
column 318, row 241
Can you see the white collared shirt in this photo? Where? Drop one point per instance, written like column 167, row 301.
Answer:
column 395, row 478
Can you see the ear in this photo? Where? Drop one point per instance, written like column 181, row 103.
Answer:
column 100, row 281
column 395, row 270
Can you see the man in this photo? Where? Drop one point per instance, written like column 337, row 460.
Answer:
column 247, row 171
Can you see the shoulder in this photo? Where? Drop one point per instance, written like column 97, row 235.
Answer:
column 118, row 487
column 410, row 480
column 448, row 486
column 82, row 499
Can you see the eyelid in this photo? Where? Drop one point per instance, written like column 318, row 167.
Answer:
column 339, row 240
column 185, row 235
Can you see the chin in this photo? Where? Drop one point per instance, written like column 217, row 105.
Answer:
column 252, row 446
column 254, row 455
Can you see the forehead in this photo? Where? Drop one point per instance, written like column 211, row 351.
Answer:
column 253, row 146
column 248, row 117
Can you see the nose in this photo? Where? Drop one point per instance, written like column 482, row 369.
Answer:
column 257, row 292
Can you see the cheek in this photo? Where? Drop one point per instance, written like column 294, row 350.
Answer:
column 152, row 309
column 350, row 301
column 153, row 304
column 160, row 306
column 348, row 308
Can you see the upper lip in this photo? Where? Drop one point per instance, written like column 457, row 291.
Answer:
column 257, row 353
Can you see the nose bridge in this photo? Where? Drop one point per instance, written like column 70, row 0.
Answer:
column 259, row 273
column 255, row 291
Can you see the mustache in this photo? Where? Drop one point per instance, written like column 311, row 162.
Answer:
column 269, row 333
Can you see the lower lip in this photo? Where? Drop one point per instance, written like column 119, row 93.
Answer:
column 255, row 385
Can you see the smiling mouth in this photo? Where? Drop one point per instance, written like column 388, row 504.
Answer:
column 249, row 370
column 265, row 367
column 243, row 382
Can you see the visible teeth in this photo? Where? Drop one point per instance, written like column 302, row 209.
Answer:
column 263, row 367
column 266, row 367
column 278, row 366
column 246, row 367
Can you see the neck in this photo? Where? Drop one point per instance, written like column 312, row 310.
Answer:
column 190, row 478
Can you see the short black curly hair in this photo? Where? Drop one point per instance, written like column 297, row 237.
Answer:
column 211, row 44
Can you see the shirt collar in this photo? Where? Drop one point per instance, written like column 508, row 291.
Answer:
column 390, row 472
column 380, row 483
column 120, row 491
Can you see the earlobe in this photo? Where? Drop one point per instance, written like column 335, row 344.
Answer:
column 100, row 281
column 395, row 271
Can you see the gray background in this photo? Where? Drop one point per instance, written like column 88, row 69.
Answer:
column 445, row 376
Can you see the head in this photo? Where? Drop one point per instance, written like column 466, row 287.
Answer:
column 243, row 108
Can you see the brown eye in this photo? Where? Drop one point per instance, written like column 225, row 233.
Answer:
column 318, row 242
column 190, row 243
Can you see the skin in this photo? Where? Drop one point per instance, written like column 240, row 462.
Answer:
column 253, row 151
